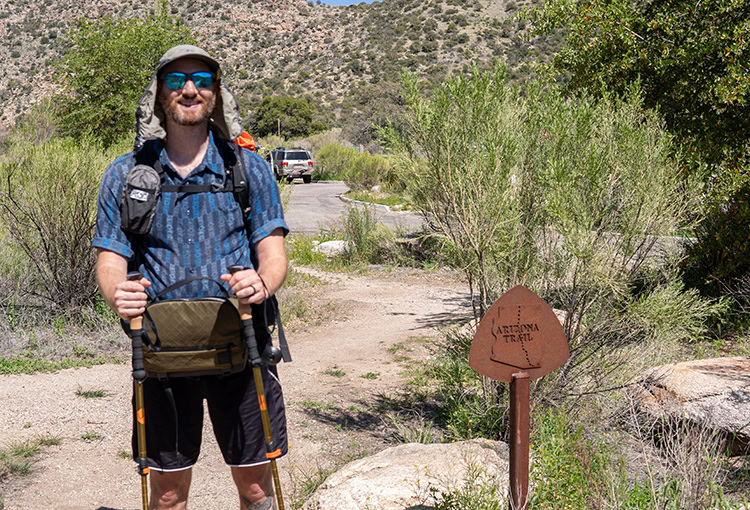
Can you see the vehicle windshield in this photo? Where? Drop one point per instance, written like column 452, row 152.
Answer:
column 296, row 155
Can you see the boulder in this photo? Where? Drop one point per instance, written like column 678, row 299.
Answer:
column 712, row 393
column 407, row 476
column 331, row 248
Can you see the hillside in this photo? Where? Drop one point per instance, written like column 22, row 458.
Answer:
column 347, row 59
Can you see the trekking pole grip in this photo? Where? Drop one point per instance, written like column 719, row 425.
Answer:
column 248, row 332
column 136, row 337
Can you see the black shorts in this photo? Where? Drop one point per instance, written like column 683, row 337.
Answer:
column 173, row 440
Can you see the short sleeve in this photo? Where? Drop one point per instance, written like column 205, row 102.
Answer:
column 266, row 214
column 109, row 236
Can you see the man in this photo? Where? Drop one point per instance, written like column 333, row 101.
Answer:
column 186, row 108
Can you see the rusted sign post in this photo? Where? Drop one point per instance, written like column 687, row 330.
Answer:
column 519, row 339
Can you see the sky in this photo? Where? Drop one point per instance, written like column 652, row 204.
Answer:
column 346, row 2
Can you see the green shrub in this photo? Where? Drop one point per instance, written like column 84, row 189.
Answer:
column 469, row 407
column 48, row 214
column 718, row 260
column 566, row 196
column 358, row 170
column 334, row 160
column 359, row 232
column 568, row 470
column 479, row 491
column 109, row 63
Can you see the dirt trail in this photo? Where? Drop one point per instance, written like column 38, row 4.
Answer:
column 328, row 415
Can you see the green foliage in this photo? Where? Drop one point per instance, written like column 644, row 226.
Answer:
column 479, row 491
column 48, row 212
column 300, row 250
column 359, row 232
column 109, row 63
column 690, row 60
column 568, row 470
column 689, row 57
column 360, row 170
column 23, row 365
column 296, row 116
column 469, row 407
column 719, row 259
column 673, row 314
column 565, row 196
column 333, row 160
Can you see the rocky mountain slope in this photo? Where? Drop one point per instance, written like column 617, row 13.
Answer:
column 346, row 59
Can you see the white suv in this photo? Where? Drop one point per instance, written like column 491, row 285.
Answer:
column 291, row 163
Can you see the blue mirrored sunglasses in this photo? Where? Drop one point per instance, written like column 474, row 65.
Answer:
column 201, row 80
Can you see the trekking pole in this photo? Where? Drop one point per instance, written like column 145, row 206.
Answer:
column 139, row 375
column 256, row 361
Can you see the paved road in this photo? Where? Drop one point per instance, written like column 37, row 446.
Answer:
column 317, row 206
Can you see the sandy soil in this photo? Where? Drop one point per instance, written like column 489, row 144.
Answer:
column 330, row 416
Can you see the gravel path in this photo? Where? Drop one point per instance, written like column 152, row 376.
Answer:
column 329, row 416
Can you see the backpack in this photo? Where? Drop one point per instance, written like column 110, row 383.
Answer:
column 197, row 336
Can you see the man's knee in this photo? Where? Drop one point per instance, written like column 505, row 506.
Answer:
column 170, row 490
column 255, row 486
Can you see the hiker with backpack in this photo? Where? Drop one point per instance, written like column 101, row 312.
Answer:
column 181, row 209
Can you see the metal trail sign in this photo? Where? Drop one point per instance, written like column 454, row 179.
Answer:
column 518, row 339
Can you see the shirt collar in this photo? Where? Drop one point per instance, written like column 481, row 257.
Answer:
column 211, row 160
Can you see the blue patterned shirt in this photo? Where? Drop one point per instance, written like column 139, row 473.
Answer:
column 192, row 234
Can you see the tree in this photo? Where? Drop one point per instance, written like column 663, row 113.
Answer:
column 294, row 116
column 109, row 63
column 690, row 57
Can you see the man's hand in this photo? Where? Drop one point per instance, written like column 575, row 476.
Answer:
column 127, row 298
column 247, row 286
column 130, row 298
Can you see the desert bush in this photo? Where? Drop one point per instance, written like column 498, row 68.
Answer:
column 569, row 197
column 359, row 232
column 319, row 140
column 358, row 170
column 569, row 470
column 370, row 242
column 572, row 469
column 48, row 214
column 467, row 408
column 334, row 159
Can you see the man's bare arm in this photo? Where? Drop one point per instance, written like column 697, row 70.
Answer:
column 126, row 298
column 248, row 285
column 272, row 261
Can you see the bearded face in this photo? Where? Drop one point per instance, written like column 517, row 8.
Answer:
column 188, row 105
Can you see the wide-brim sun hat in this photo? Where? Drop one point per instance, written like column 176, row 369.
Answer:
column 150, row 116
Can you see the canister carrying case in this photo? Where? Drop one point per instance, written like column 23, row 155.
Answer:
column 195, row 336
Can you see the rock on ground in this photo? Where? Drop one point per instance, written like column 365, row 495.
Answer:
column 407, row 476
column 712, row 393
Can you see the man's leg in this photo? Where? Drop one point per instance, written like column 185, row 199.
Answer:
column 255, row 486
column 169, row 490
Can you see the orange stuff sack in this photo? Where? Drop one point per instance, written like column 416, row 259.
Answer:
column 246, row 141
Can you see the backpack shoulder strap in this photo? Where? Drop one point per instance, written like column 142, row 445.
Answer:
column 234, row 163
column 148, row 154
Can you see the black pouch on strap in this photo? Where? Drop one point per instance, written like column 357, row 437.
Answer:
column 139, row 198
